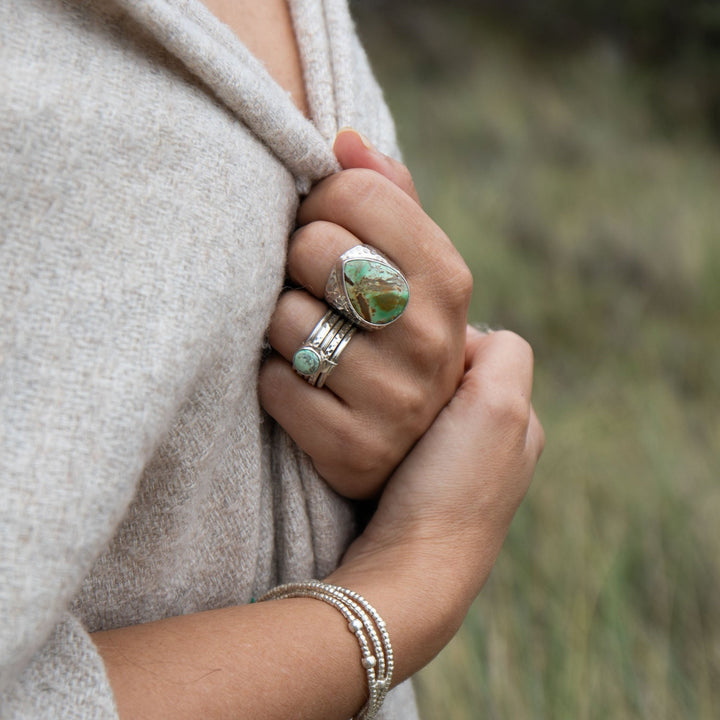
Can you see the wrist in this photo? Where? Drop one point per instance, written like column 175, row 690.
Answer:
column 422, row 602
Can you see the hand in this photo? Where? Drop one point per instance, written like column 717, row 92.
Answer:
column 444, row 513
column 389, row 384
column 464, row 480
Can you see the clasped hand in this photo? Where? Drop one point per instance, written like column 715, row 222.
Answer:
column 389, row 384
column 441, row 410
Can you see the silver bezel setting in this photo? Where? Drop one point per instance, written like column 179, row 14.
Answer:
column 336, row 292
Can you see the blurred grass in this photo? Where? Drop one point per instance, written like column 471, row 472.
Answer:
column 590, row 216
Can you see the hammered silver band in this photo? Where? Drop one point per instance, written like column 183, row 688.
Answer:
column 367, row 626
column 318, row 356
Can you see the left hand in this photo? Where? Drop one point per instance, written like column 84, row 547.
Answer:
column 389, row 384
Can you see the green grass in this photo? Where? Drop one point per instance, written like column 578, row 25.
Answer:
column 586, row 198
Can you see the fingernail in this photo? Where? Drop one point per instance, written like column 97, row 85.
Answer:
column 362, row 137
column 366, row 142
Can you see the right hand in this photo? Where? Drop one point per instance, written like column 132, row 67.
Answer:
column 444, row 513
column 466, row 477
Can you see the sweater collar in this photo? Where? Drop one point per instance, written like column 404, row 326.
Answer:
column 216, row 56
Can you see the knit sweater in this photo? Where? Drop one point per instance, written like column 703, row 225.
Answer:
column 151, row 172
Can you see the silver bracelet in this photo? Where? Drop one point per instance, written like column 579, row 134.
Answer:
column 367, row 626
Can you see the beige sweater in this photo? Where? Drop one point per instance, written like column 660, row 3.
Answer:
column 150, row 171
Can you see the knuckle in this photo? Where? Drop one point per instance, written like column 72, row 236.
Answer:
column 284, row 317
column 458, row 280
column 512, row 412
column 399, row 410
column 301, row 235
column 515, row 345
column 433, row 348
column 541, row 440
column 411, row 406
column 417, row 408
column 311, row 247
column 306, row 237
column 302, row 239
column 448, row 274
column 432, row 340
column 284, row 305
column 368, row 455
column 464, row 281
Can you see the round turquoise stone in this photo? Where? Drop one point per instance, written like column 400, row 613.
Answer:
column 306, row 361
column 377, row 292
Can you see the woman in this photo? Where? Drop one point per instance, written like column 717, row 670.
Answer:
column 156, row 155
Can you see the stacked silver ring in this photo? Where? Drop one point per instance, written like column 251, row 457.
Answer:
column 368, row 292
column 319, row 355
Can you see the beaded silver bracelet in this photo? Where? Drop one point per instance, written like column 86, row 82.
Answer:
column 367, row 626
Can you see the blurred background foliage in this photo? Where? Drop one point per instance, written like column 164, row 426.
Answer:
column 571, row 150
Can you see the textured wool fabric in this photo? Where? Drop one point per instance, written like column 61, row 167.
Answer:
column 151, row 172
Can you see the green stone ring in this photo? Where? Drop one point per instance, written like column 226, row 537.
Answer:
column 318, row 356
column 367, row 288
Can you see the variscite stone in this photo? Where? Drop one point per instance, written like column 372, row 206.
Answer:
column 306, row 361
column 377, row 292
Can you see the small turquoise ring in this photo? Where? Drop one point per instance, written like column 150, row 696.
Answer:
column 366, row 288
column 318, row 356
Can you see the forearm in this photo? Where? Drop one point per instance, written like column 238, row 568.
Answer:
column 282, row 658
column 421, row 561
column 266, row 660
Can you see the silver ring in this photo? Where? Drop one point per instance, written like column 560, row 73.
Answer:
column 318, row 356
column 367, row 288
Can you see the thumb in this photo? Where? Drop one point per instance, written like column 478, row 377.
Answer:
column 354, row 150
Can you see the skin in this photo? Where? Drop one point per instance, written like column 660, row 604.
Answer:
column 265, row 28
column 442, row 515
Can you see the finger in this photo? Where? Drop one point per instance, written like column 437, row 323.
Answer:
column 501, row 372
column 354, row 150
column 326, row 430
column 282, row 392
column 355, row 379
column 423, row 344
column 312, row 254
column 379, row 213
column 473, row 339
column 313, row 251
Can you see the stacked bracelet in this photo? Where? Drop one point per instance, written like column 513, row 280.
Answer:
column 367, row 626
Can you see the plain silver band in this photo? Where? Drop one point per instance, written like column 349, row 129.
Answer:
column 334, row 349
